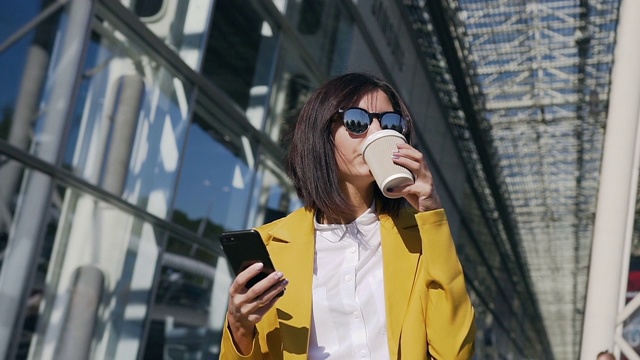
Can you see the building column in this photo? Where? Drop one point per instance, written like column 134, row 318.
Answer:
column 609, row 263
column 32, row 214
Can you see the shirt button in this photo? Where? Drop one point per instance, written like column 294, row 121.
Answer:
column 363, row 354
column 352, row 250
column 356, row 315
column 347, row 278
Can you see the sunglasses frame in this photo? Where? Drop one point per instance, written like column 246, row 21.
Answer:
column 371, row 116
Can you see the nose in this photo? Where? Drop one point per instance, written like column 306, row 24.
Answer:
column 375, row 125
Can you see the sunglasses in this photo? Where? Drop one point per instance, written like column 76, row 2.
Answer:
column 357, row 120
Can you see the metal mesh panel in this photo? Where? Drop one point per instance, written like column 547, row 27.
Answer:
column 539, row 74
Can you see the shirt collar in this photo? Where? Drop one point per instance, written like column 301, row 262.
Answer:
column 369, row 217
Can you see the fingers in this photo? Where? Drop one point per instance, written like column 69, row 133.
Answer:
column 263, row 298
column 248, row 306
column 260, row 293
column 239, row 284
column 267, row 287
column 408, row 152
column 413, row 160
column 264, row 302
column 266, row 307
column 422, row 194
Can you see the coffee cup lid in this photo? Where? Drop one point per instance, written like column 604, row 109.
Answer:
column 378, row 134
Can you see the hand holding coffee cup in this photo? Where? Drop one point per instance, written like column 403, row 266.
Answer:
column 377, row 151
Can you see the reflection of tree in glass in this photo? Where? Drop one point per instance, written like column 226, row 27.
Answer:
column 211, row 229
column 179, row 288
column 298, row 89
column 310, row 19
column 5, row 122
column 181, row 284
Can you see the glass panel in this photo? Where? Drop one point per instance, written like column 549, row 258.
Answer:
column 40, row 69
column 181, row 24
column 291, row 89
column 493, row 280
column 215, row 180
column 12, row 174
column 190, row 304
column 129, row 123
column 15, row 15
column 124, row 249
column 274, row 197
column 326, row 29
column 23, row 70
column 240, row 55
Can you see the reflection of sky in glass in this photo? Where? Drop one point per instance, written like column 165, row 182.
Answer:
column 13, row 15
column 215, row 184
column 207, row 175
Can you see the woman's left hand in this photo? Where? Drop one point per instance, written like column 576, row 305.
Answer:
column 422, row 193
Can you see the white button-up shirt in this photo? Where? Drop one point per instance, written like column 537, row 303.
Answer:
column 349, row 319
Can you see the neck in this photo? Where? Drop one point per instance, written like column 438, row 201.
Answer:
column 360, row 198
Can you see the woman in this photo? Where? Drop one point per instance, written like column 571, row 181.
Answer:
column 366, row 276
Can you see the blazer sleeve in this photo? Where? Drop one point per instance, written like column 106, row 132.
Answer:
column 228, row 350
column 449, row 314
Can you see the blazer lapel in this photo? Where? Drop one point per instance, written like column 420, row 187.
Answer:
column 292, row 250
column 400, row 253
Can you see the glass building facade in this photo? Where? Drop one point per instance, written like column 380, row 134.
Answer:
column 133, row 132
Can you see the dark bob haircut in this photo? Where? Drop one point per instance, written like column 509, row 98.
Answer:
column 311, row 162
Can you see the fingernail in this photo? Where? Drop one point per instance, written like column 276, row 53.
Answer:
column 394, row 156
column 285, row 282
column 279, row 275
column 259, row 266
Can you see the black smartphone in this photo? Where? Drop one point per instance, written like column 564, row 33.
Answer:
column 244, row 248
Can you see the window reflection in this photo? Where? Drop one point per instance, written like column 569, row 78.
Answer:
column 185, row 324
column 240, row 54
column 326, row 29
column 85, row 231
column 130, row 122
column 293, row 86
column 11, row 173
column 214, row 189
column 23, row 70
column 10, row 211
column 182, row 25
column 277, row 197
column 149, row 8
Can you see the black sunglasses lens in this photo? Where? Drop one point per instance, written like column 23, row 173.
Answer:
column 356, row 121
column 393, row 121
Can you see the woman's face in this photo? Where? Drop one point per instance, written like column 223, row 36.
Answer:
column 348, row 147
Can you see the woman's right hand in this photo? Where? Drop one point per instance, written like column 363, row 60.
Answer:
column 248, row 306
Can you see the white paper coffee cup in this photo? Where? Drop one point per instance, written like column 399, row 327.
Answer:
column 377, row 151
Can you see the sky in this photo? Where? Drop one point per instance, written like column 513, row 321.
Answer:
column 13, row 15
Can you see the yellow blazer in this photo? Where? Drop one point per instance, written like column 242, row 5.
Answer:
column 429, row 314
